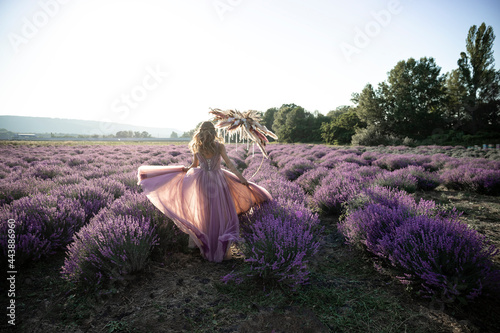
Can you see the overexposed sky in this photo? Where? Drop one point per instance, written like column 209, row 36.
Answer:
column 166, row 62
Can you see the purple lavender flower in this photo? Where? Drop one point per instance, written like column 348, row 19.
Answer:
column 296, row 167
column 426, row 180
column 444, row 256
column 106, row 250
column 44, row 224
column 465, row 177
column 278, row 249
column 398, row 161
column 91, row 196
column 336, row 188
column 401, row 179
column 369, row 225
column 311, row 179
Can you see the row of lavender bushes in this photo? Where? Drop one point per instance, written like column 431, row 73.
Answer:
column 84, row 188
column 439, row 255
column 435, row 251
column 96, row 213
column 85, row 200
column 118, row 241
column 280, row 236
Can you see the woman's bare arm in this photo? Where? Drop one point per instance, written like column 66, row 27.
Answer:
column 193, row 165
column 230, row 165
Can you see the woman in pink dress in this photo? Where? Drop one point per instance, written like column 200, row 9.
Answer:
column 203, row 200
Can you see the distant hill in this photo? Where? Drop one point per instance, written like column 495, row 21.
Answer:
column 41, row 125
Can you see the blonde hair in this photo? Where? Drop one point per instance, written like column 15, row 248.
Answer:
column 204, row 139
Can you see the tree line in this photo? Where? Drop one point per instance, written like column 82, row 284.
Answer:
column 132, row 134
column 416, row 103
column 119, row 134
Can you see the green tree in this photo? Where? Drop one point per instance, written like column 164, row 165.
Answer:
column 286, row 122
column 413, row 98
column 341, row 129
column 188, row 134
column 338, row 112
column 124, row 134
column 294, row 124
column 455, row 112
column 477, row 73
column 268, row 118
column 315, row 121
column 173, row 135
column 370, row 107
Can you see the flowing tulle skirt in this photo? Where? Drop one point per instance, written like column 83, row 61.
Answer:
column 204, row 204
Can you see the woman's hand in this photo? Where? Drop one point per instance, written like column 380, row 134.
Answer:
column 193, row 165
column 230, row 165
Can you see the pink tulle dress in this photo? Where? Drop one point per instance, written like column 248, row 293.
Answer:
column 204, row 202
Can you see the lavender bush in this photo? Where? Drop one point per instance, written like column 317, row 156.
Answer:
column 442, row 256
column 311, row 179
column 111, row 186
column 336, row 188
column 91, row 196
column 333, row 158
column 44, row 224
column 47, row 170
column 426, row 180
column 129, row 180
column 279, row 249
column 391, row 197
column 280, row 208
column 138, row 206
column 368, row 173
column 280, row 237
column 398, row 161
column 367, row 226
column 11, row 190
column 400, row 179
column 259, row 170
column 465, row 177
column 70, row 179
column 107, row 249
column 280, row 188
column 369, row 157
column 430, row 244
column 376, row 211
column 296, row 167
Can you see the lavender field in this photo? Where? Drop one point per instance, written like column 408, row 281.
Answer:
column 356, row 239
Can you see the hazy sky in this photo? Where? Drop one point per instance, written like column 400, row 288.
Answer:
column 166, row 62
